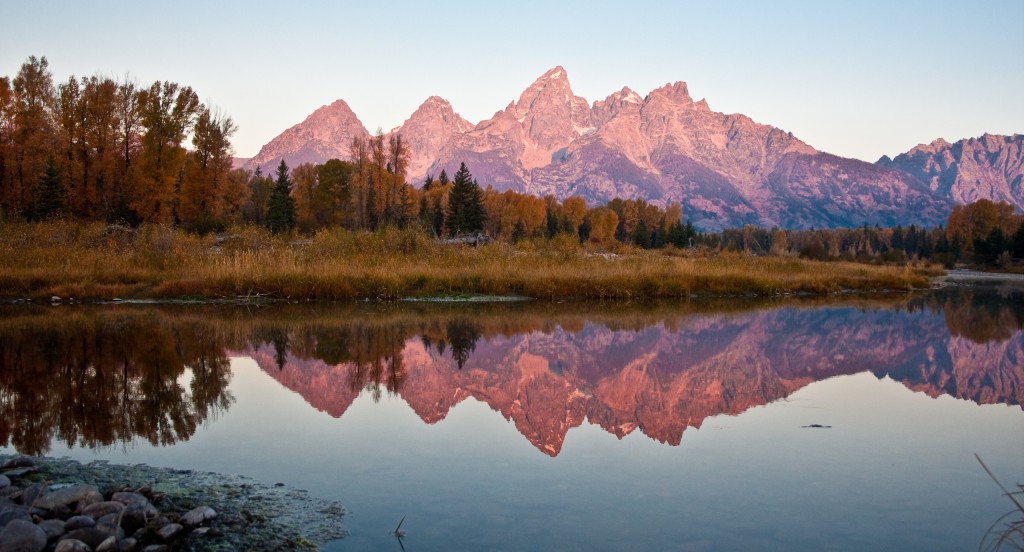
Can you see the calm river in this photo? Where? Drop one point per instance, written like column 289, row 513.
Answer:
column 801, row 424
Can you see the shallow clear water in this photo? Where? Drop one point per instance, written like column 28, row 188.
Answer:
column 566, row 427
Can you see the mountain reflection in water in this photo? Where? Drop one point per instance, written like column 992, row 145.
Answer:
column 98, row 376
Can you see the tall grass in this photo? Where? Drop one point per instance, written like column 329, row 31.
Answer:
column 1007, row 533
column 89, row 261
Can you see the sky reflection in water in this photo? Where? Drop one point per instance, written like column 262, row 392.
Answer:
column 562, row 428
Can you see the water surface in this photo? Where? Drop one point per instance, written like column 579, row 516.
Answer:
column 668, row 426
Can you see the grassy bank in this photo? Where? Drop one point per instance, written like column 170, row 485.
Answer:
column 91, row 261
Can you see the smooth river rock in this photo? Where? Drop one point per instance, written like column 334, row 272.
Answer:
column 80, row 494
column 197, row 516
column 22, row 536
column 72, row 545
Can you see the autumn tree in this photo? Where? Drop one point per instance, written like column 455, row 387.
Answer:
column 304, row 185
column 166, row 112
column 7, row 201
column 332, row 198
column 603, row 223
column 34, row 101
column 973, row 223
column 204, row 198
column 260, row 188
column 575, row 209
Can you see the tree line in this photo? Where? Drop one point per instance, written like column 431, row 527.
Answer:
column 100, row 149
column 983, row 232
column 96, row 148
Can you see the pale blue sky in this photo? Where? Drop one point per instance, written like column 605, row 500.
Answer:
column 858, row 79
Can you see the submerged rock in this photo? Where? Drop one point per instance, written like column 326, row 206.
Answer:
column 162, row 509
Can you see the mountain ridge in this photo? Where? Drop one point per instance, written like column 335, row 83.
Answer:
column 725, row 169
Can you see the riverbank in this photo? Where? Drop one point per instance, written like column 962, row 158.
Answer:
column 234, row 512
column 968, row 276
column 93, row 262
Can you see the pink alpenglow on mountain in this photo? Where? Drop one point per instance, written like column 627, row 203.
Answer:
column 326, row 134
column 725, row 169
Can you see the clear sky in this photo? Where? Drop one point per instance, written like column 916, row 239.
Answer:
column 855, row 78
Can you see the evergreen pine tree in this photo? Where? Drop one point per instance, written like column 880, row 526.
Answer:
column 443, row 177
column 641, row 236
column 438, row 222
column 281, row 206
column 51, row 195
column 404, row 206
column 476, row 216
column 465, row 204
column 1017, row 242
column 552, row 223
column 677, row 235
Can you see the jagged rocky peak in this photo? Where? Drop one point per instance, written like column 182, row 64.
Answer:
column 604, row 110
column 676, row 92
column 438, row 107
column 433, row 125
column 726, row 169
column 551, row 115
column 936, row 145
column 325, row 133
column 989, row 166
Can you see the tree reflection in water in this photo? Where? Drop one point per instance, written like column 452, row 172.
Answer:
column 87, row 378
column 98, row 376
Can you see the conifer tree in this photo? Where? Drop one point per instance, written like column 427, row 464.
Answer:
column 51, row 195
column 281, row 207
column 465, row 204
column 1017, row 242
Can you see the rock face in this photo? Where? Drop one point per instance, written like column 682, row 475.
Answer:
column 430, row 128
column 327, row 133
column 989, row 167
column 725, row 169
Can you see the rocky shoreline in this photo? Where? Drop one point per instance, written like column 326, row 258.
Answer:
column 49, row 504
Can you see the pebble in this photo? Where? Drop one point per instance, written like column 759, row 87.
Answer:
column 169, row 532
column 109, row 545
column 22, row 536
column 74, row 517
column 53, row 528
column 197, row 516
column 138, row 515
column 10, row 511
column 20, row 472
column 71, row 495
column 79, row 522
column 92, row 536
column 100, row 509
column 72, row 545
column 18, row 462
column 34, row 491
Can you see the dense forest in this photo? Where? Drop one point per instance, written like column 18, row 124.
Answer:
column 106, row 150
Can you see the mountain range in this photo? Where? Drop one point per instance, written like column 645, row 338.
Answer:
column 725, row 169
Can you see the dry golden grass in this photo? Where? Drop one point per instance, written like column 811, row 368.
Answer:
column 87, row 261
